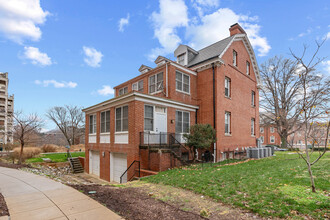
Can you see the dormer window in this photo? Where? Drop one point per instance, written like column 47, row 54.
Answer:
column 181, row 59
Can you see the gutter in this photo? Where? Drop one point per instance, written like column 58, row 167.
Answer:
column 215, row 144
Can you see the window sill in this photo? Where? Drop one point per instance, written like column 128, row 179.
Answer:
column 227, row 135
column 121, row 132
column 228, row 97
column 186, row 93
column 94, row 134
column 154, row 93
column 106, row 133
column 253, row 106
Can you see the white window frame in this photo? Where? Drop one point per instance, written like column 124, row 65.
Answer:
column 181, row 59
column 262, row 139
column 153, row 118
column 105, row 123
column 253, row 125
column 253, row 98
column 182, row 112
column 272, row 139
column 156, row 83
column 228, row 121
column 123, row 91
column 234, row 58
column 272, row 129
column 93, row 124
column 227, row 83
column 182, row 82
column 121, row 119
column 138, row 87
column 247, row 68
column 261, row 129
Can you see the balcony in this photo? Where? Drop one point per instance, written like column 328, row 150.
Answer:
column 162, row 139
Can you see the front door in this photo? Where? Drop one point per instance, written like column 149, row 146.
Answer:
column 161, row 124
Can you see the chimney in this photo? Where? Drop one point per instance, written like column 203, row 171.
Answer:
column 236, row 29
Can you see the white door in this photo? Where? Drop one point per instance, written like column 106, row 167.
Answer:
column 161, row 124
column 118, row 165
column 94, row 162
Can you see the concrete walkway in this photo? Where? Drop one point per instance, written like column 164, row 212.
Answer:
column 29, row 196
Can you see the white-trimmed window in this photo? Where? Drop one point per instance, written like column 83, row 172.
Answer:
column 252, row 126
column 92, row 124
column 182, row 122
column 227, row 86
column 182, row 82
column 227, row 123
column 122, row 119
column 272, row 139
column 261, row 129
column 148, row 118
column 156, row 83
column 253, row 98
column 138, row 86
column 272, row 129
column 247, row 67
column 181, row 59
column 262, row 139
column 123, row 91
column 234, row 58
column 105, row 122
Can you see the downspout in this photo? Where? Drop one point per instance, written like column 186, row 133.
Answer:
column 215, row 144
column 166, row 80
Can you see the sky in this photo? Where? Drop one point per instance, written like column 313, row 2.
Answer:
column 73, row 52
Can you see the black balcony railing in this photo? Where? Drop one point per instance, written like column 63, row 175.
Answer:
column 161, row 139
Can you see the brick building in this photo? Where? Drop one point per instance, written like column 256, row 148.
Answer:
column 268, row 131
column 145, row 120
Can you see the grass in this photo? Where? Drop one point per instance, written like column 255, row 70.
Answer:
column 55, row 157
column 278, row 186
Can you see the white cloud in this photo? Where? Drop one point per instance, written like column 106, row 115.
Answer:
column 202, row 6
column 19, row 19
column 214, row 27
column 93, row 57
column 123, row 22
column 326, row 65
column 106, row 90
column 56, row 84
column 173, row 14
column 37, row 57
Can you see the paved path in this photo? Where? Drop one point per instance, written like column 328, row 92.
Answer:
column 29, row 196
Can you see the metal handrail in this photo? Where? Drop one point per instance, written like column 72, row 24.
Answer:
column 121, row 177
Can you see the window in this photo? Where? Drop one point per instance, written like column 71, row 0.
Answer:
column 253, row 95
column 148, row 118
column 227, row 123
column 181, row 59
column 261, row 129
column 182, row 82
column 156, row 83
column 227, row 86
column 234, row 58
column 252, row 126
column 122, row 119
column 182, row 121
column 262, row 139
column 272, row 139
column 105, row 122
column 247, row 68
column 123, row 91
column 92, row 124
column 138, row 86
column 272, row 129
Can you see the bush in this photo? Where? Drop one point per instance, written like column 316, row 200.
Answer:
column 28, row 152
column 46, row 148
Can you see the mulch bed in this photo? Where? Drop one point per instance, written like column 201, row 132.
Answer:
column 14, row 166
column 130, row 203
column 3, row 206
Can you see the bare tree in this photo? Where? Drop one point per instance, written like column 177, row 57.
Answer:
column 25, row 128
column 70, row 121
column 313, row 104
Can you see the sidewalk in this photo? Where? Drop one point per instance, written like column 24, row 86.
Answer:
column 29, row 196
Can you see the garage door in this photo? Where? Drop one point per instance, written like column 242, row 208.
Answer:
column 94, row 162
column 118, row 165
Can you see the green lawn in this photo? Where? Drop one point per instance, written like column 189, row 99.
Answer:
column 55, row 157
column 278, row 186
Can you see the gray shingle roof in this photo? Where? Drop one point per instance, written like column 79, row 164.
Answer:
column 210, row 51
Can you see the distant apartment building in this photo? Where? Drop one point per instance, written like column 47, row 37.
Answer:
column 6, row 111
column 268, row 131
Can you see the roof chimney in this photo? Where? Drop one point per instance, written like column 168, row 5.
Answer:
column 236, row 29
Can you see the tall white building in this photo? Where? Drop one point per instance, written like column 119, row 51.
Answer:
column 6, row 111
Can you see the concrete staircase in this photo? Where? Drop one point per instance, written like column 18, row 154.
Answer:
column 76, row 165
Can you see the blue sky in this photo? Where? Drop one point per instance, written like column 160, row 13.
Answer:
column 73, row 52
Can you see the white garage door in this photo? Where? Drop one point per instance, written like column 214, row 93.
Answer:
column 94, row 162
column 118, row 165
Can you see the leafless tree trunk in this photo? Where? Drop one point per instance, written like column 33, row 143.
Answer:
column 70, row 121
column 24, row 127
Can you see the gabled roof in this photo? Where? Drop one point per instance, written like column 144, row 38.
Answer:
column 144, row 67
column 209, row 52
